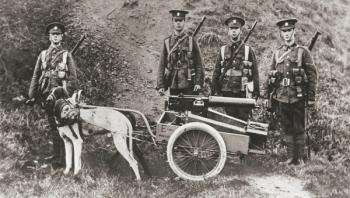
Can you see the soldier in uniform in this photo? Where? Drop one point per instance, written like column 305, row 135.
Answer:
column 180, row 67
column 54, row 67
column 241, row 78
column 293, row 77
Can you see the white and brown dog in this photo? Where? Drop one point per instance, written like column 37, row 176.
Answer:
column 69, row 116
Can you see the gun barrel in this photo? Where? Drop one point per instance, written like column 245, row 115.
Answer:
column 228, row 101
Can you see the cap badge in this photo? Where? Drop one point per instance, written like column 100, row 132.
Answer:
column 55, row 28
column 178, row 14
column 286, row 24
column 234, row 21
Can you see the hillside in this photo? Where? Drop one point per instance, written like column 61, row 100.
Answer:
column 118, row 63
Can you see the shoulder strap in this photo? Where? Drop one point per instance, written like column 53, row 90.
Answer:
column 300, row 55
column 167, row 44
column 223, row 52
column 64, row 58
column 246, row 52
column 190, row 43
column 43, row 56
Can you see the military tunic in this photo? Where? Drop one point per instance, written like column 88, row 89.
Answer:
column 182, row 69
column 231, row 85
column 291, row 106
column 46, row 77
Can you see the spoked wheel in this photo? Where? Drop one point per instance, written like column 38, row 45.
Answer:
column 196, row 151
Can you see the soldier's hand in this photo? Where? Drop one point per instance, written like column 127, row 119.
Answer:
column 311, row 103
column 161, row 91
column 30, row 101
column 247, row 63
column 197, row 88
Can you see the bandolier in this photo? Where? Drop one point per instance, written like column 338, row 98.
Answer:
column 55, row 67
column 180, row 67
column 241, row 78
column 292, row 81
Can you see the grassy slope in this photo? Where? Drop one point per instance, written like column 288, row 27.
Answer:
column 326, row 178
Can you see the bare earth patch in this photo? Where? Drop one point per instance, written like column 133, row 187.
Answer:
column 279, row 186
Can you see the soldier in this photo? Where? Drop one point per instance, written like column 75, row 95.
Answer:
column 180, row 67
column 54, row 67
column 293, row 79
column 242, row 76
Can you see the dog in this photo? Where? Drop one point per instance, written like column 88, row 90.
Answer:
column 69, row 118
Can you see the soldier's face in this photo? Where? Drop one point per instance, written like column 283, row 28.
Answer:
column 234, row 32
column 287, row 35
column 56, row 38
column 178, row 24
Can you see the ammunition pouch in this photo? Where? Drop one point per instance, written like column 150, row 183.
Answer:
column 300, row 81
column 62, row 70
column 274, row 78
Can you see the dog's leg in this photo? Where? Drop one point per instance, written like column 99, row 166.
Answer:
column 65, row 134
column 120, row 144
column 141, row 159
column 77, row 147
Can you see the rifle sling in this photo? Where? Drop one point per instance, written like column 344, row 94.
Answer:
column 175, row 46
column 232, row 57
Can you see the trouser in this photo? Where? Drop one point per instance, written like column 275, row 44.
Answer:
column 185, row 91
column 242, row 113
column 293, row 126
column 58, row 145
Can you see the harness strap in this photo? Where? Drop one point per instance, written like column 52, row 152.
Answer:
column 300, row 56
column 190, row 43
column 246, row 53
column 43, row 56
column 222, row 52
column 167, row 44
column 65, row 55
column 73, row 132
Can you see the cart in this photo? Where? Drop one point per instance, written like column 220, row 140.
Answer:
column 199, row 138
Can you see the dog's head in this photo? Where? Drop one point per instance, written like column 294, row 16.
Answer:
column 66, row 110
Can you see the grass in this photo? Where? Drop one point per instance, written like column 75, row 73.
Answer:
column 23, row 136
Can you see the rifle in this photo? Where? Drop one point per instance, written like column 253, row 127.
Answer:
column 313, row 40
column 168, row 69
column 75, row 48
column 306, row 119
column 64, row 83
column 194, row 33
column 237, row 51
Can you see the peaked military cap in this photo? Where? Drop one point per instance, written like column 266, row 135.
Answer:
column 234, row 21
column 55, row 27
column 287, row 24
column 178, row 13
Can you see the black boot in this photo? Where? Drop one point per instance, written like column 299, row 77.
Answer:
column 300, row 149
column 290, row 154
column 57, row 159
column 300, row 154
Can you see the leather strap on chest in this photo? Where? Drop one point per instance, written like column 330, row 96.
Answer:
column 170, row 51
column 299, row 56
column 43, row 61
column 222, row 52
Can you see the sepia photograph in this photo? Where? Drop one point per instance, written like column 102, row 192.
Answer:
column 174, row 98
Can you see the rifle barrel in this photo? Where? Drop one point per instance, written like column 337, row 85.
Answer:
column 82, row 38
column 313, row 40
column 199, row 26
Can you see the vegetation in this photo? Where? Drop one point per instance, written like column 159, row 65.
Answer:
column 103, row 68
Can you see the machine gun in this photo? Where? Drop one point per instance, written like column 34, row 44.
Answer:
column 197, row 103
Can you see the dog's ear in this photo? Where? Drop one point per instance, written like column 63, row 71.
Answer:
column 72, row 99
column 77, row 99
